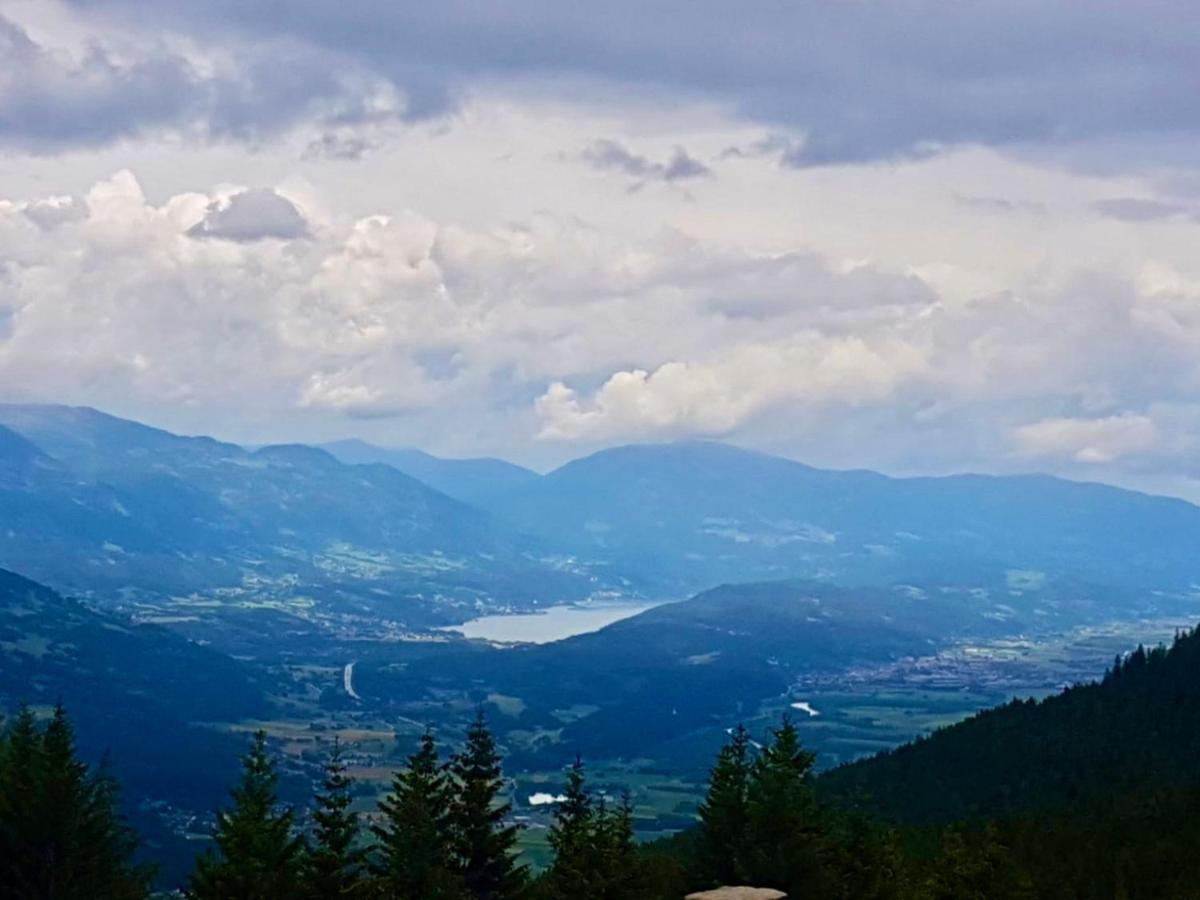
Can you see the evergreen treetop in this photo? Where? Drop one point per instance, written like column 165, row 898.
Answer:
column 484, row 845
column 723, row 813
column 415, row 838
column 333, row 864
column 61, row 834
column 256, row 856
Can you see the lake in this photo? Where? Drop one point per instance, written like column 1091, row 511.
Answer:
column 550, row 624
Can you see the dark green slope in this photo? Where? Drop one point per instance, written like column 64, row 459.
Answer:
column 136, row 690
column 1133, row 733
column 684, row 672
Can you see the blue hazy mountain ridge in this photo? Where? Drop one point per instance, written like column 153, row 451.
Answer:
column 101, row 506
column 684, row 516
column 471, row 480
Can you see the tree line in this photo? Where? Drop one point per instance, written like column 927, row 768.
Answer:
column 445, row 830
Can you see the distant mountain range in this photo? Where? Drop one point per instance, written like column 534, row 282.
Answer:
column 685, row 516
column 475, row 481
column 116, row 510
column 112, row 509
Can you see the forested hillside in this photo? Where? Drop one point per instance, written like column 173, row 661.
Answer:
column 1136, row 730
column 144, row 686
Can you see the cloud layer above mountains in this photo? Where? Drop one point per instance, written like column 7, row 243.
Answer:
column 918, row 236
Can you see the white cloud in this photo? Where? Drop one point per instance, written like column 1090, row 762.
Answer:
column 1088, row 440
column 715, row 398
column 425, row 330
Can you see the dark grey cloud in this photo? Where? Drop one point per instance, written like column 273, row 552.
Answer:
column 333, row 145
column 252, row 215
column 50, row 101
column 984, row 203
column 1141, row 209
column 862, row 81
column 51, row 213
column 608, row 155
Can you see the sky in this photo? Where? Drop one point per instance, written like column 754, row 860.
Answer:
column 915, row 236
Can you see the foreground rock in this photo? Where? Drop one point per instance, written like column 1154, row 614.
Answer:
column 738, row 893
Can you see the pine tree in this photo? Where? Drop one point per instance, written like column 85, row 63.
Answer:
column 61, row 836
column 594, row 851
column 980, row 868
column 572, row 837
column 20, row 806
column 483, row 843
column 257, row 857
column 723, row 813
column 870, row 861
column 787, row 838
column 416, row 837
column 110, row 871
column 616, row 876
column 333, row 866
column 63, row 795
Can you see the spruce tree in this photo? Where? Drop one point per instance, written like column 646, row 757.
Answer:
column 416, row 838
column 61, row 836
column 616, row 876
column 256, row 856
column 483, row 843
column 723, row 813
column 572, row 839
column 111, row 871
column 20, row 805
column 787, row 839
column 333, row 865
column 982, row 867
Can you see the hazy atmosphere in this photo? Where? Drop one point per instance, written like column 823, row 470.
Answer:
column 659, row 450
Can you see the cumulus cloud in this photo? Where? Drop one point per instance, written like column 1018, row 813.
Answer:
column 609, row 155
column 252, row 215
column 1100, row 440
column 850, row 82
column 552, row 327
column 685, row 398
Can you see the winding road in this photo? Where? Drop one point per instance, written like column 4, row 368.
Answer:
column 348, row 680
